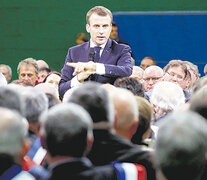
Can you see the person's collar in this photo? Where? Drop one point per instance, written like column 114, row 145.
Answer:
column 92, row 44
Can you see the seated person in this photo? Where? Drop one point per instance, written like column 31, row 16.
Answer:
column 68, row 141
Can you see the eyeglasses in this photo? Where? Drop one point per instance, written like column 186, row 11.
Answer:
column 152, row 79
column 178, row 77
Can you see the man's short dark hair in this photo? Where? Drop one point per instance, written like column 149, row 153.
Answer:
column 95, row 99
column 131, row 84
column 100, row 10
column 66, row 128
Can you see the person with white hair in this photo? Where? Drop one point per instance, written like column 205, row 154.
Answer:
column 2, row 80
column 127, row 112
column 166, row 97
column 13, row 145
column 6, row 71
column 137, row 73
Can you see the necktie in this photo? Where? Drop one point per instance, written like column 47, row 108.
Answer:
column 97, row 53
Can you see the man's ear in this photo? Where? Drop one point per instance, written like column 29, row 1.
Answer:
column 88, row 28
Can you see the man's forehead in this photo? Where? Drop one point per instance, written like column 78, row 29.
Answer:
column 96, row 19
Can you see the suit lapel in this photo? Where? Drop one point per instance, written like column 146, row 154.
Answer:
column 106, row 52
column 85, row 52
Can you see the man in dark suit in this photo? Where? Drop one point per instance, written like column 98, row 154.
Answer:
column 107, row 146
column 67, row 135
column 101, row 59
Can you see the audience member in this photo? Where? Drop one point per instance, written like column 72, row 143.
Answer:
column 199, row 84
column 81, row 38
column 176, row 72
column 35, row 102
column 166, row 97
column 114, row 34
column 42, row 64
column 107, row 147
column 3, row 80
column 10, row 98
column 53, row 78
column 13, row 145
column 152, row 75
column 68, row 136
column 28, row 70
column 48, row 88
column 131, row 84
column 181, row 148
column 137, row 73
column 146, row 62
column 6, row 71
column 125, row 106
column 42, row 73
column 193, row 69
column 198, row 102
column 205, row 69
column 143, row 131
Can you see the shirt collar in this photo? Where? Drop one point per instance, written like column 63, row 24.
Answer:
column 92, row 44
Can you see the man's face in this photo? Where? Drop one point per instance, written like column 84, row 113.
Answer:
column 150, row 78
column 99, row 28
column 114, row 32
column 177, row 75
column 5, row 72
column 28, row 73
column 41, row 75
column 145, row 63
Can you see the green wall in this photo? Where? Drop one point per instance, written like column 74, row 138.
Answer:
column 45, row 29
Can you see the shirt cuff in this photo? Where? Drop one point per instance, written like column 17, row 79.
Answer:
column 100, row 69
column 74, row 82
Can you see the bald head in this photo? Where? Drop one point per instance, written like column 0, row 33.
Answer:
column 42, row 64
column 152, row 75
column 127, row 111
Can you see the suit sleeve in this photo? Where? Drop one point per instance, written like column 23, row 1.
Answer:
column 66, row 76
column 123, row 67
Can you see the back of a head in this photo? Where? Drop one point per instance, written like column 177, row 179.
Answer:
column 126, row 107
column 42, row 64
column 198, row 102
column 167, row 96
column 3, row 81
column 95, row 99
column 35, row 102
column 66, row 128
column 130, row 84
column 181, row 148
column 10, row 98
column 13, row 130
column 145, row 119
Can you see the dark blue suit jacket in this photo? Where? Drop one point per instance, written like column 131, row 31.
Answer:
column 116, row 58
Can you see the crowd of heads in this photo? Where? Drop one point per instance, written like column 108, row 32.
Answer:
column 161, row 112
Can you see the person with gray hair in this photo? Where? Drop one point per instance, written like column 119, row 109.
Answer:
column 13, row 145
column 3, row 81
column 181, row 148
column 107, row 146
column 166, row 97
column 10, row 98
column 35, row 102
column 67, row 135
column 28, row 70
column 6, row 71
